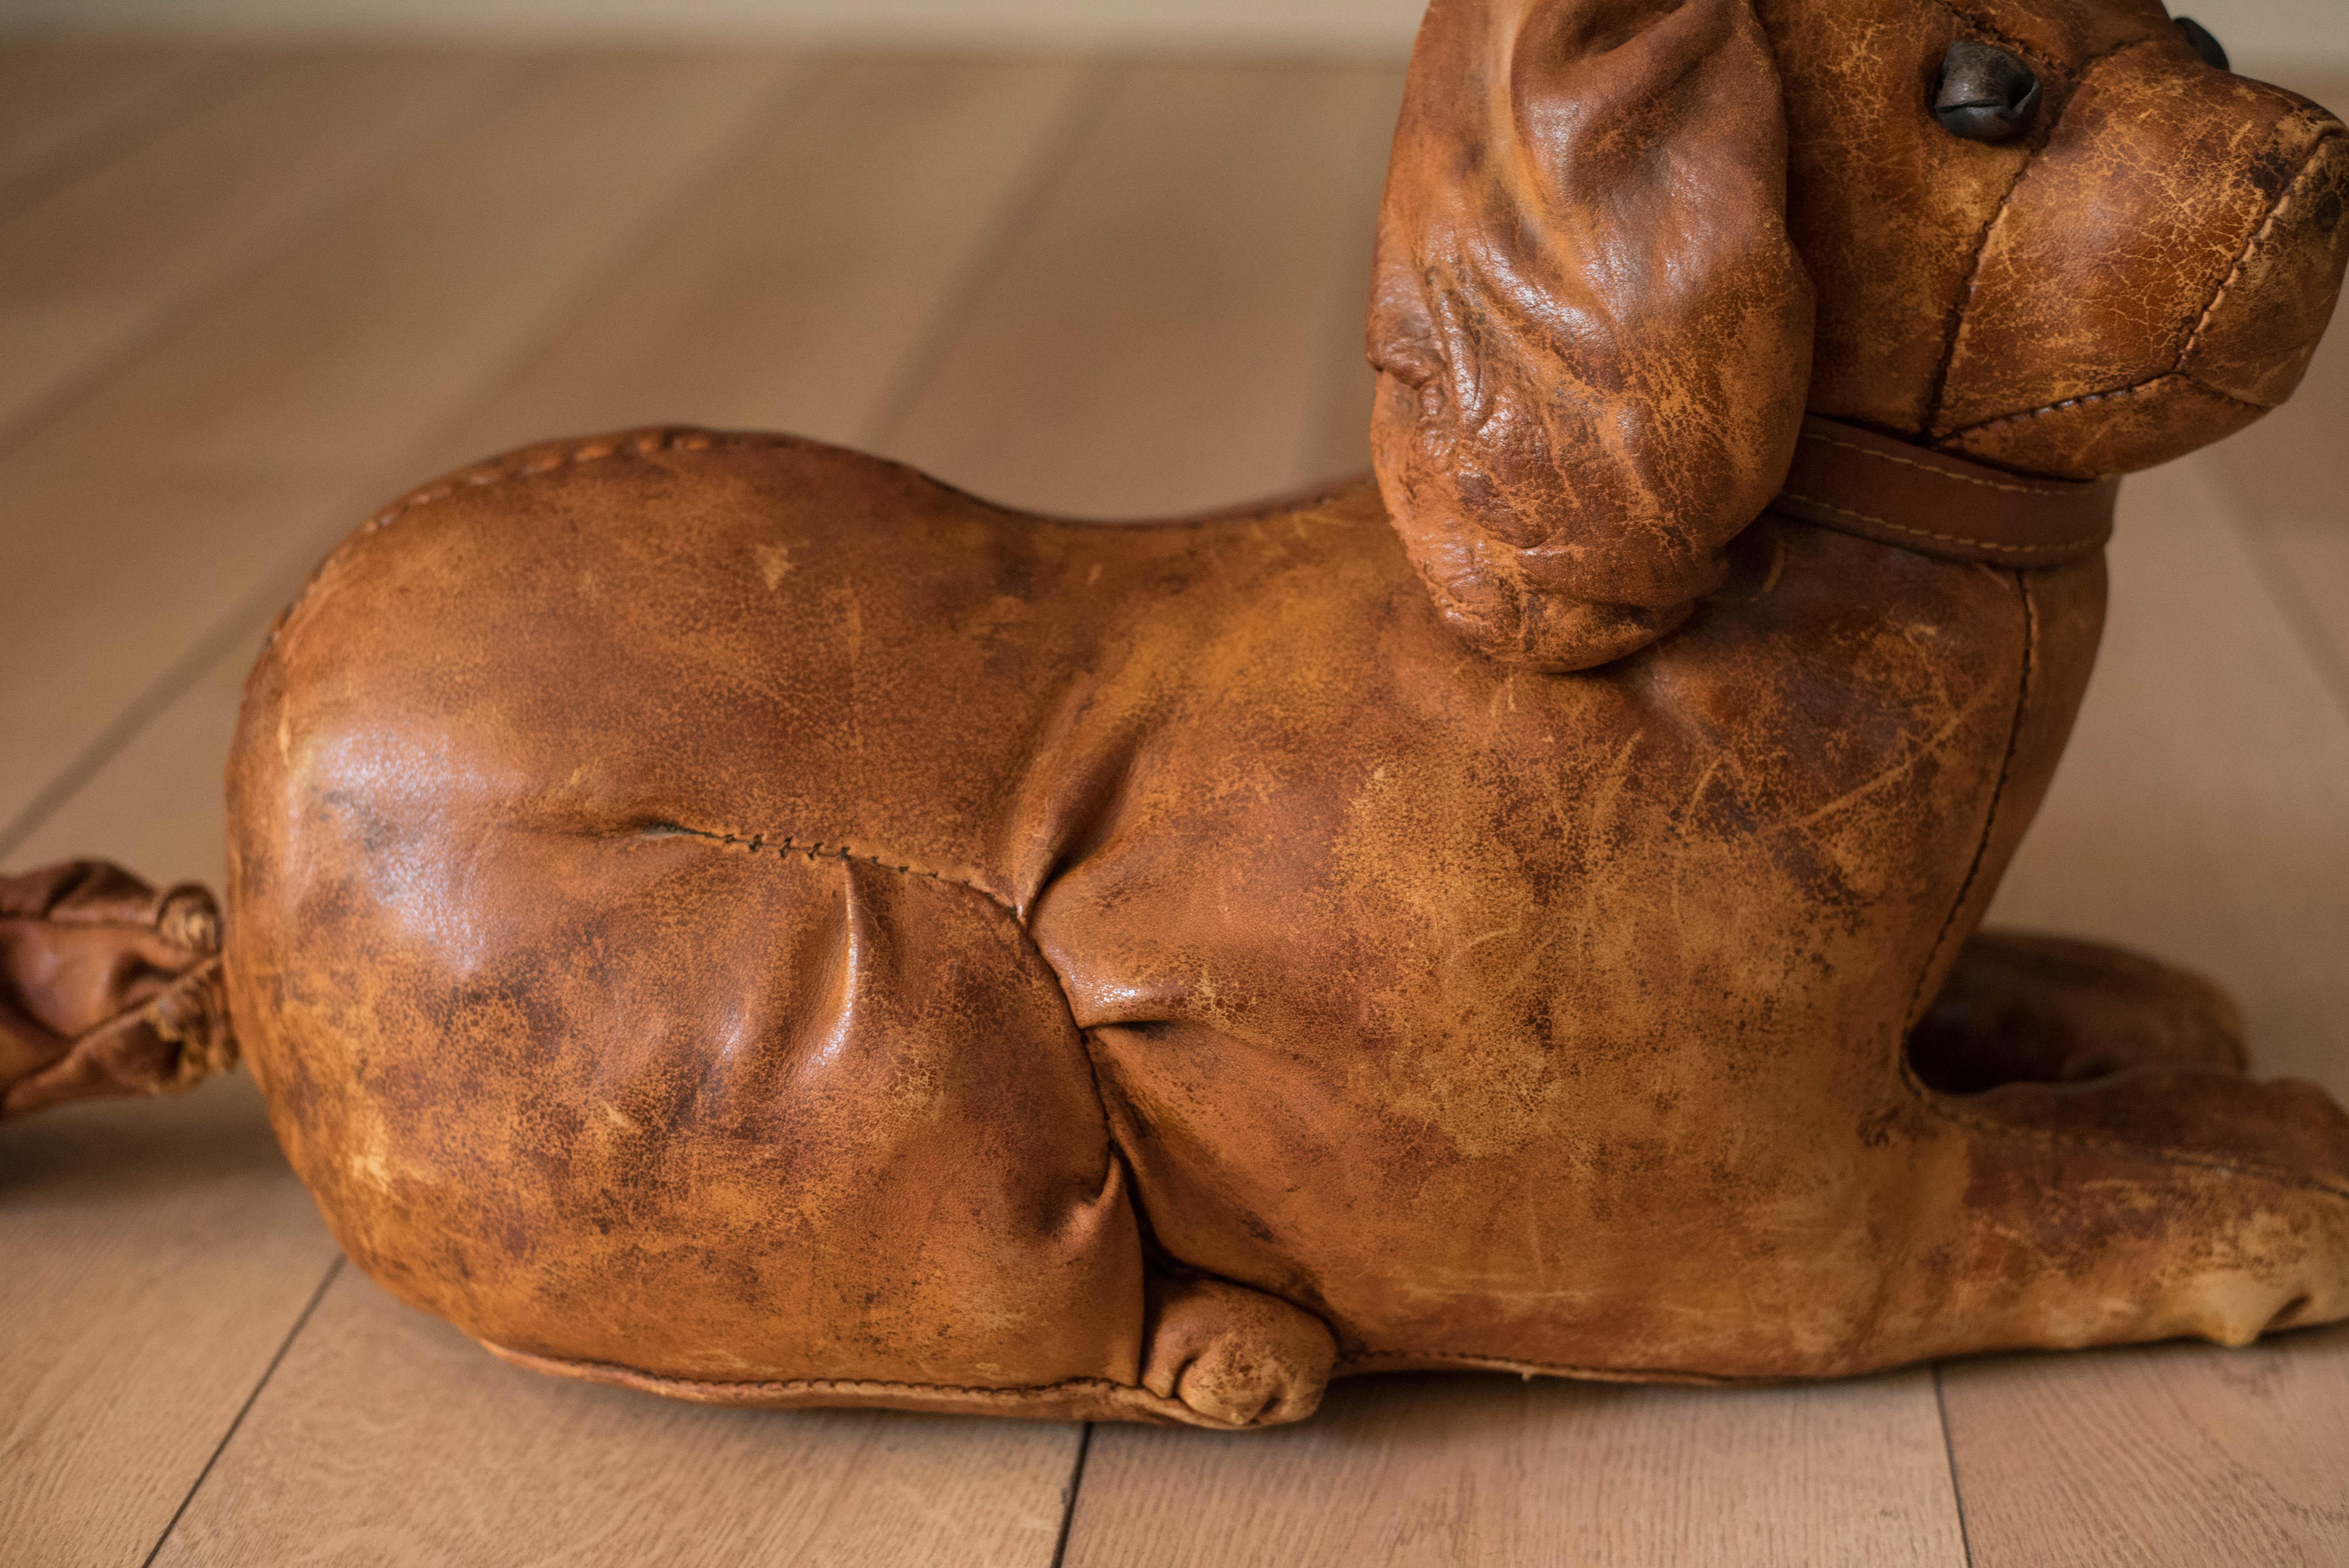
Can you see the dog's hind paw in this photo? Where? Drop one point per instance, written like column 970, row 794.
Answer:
column 1235, row 1355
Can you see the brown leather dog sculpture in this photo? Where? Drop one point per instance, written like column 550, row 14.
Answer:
column 735, row 917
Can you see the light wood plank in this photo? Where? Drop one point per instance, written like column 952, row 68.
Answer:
column 387, row 1437
column 783, row 292
column 2202, row 813
column 65, row 101
column 158, row 807
column 101, row 261
column 2176, row 1454
column 792, row 297
column 153, row 1257
column 1159, row 339
column 1476, row 1469
column 784, row 297
column 300, row 396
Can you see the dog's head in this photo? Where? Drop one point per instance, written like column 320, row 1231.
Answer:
column 1627, row 244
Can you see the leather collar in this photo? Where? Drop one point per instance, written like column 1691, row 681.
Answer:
column 1857, row 482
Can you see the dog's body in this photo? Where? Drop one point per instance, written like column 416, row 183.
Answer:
column 1189, row 882
column 726, row 915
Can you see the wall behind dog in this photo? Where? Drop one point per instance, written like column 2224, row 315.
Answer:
column 2284, row 36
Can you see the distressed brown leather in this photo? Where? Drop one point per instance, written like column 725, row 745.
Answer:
column 106, row 986
column 1592, row 331
column 729, row 916
column 1858, row 482
column 2146, row 271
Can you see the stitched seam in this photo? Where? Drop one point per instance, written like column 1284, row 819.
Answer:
column 1558, row 1368
column 499, row 471
column 827, row 1385
column 1964, row 302
column 2052, row 1138
column 2080, row 402
column 2083, row 541
column 755, row 843
column 686, row 439
column 2063, row 492
column 2307, row 167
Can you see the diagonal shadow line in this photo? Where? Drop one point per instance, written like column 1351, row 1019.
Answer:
column 333, row 1269
column 1068, row 1499
column 1949, row 1450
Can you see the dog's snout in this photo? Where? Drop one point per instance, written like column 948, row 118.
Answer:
column 1985, row 93
column 2199, row 39
column 2257, row 334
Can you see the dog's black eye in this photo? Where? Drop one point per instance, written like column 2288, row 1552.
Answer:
column 2198, row 37
column 1986, row 94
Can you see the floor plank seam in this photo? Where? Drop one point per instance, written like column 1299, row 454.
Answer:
column 142, row 710
column 1069, row 1506
column 960, row 300
column 1949, row 1450
column 333, row 1269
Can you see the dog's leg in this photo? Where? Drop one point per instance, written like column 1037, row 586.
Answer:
column 2155, row 1203
column 1232, row 1354
column 2026, row 1008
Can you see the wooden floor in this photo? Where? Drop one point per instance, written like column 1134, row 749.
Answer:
column 245, row 297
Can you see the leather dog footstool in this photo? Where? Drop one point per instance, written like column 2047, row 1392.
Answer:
column 722, row 914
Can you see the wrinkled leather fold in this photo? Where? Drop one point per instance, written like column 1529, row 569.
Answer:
column 106, row 986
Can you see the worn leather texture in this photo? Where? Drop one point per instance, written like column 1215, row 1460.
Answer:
column 2146, row 270
column 734, row 917
column 1862, row 482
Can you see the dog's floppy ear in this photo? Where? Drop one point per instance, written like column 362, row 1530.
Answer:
column 1592, row 332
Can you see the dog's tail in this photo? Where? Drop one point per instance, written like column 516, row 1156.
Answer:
column 106, row 986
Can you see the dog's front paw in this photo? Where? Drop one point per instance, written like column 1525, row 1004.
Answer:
column 1235, row 1356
